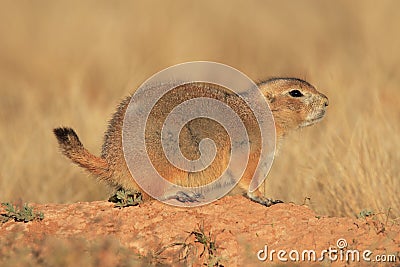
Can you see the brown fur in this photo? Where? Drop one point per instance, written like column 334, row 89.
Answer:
column 289, row 113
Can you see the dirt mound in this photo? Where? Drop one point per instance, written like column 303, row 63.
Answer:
column 231, row 232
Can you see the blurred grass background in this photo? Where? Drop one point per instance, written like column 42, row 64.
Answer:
column 69, row 63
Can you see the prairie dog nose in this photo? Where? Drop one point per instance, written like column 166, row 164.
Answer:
column 325, row 100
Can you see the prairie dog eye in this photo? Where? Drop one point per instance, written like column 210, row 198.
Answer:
column 295, row 93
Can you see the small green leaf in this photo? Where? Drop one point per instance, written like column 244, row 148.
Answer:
column 126, row 198
column 25, row 214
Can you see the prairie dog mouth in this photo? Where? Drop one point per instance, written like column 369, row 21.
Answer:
column 314, row 119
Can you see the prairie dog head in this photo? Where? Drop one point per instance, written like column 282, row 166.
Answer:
column 294, row 103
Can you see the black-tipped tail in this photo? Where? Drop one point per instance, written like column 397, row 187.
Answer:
column 67, row 138
column 72, row 147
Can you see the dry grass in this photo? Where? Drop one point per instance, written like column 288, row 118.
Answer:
column 70, row 63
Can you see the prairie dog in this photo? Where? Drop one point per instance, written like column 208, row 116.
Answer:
column 294, row 104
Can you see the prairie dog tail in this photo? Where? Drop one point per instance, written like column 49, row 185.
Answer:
column 72, row 148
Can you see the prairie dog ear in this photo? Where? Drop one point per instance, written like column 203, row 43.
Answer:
column 269, row 96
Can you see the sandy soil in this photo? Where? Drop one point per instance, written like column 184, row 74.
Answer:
column 239, row 228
